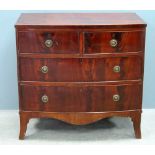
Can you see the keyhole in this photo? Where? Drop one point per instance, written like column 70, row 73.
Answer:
column 81, row 61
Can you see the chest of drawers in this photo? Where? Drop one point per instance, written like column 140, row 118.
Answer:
column 80, row 68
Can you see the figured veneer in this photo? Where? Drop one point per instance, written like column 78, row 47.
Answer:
column 81, row 98
column 62, row 42
column 99, row 42
column 80, row 68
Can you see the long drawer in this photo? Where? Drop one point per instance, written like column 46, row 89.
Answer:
column 81, row 98
column 78, row 70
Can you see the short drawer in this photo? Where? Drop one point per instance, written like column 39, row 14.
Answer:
column 81, row 98
column 110, row 42
column 80, row 70
column 59, row 42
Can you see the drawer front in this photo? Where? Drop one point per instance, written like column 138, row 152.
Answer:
column 48, row 42
column 78, row 70
column 81, row 99
column 109, row 42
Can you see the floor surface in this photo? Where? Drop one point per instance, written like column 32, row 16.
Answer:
column 114, row 131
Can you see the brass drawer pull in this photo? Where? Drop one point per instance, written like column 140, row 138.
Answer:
column 44, row 98
column 113, row 42
column 44, row 69
column 116, row 69
column 48, row 43
column 116, row 97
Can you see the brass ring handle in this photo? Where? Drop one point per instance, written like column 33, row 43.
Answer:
column 116, row 97
column 44, row 69
column 116, row 69
column 48, row 43
column 44, row 98
column 113, row 42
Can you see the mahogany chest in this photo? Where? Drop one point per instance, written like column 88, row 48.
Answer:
column 80, row 68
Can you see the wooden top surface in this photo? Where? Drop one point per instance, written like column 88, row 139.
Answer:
column 79, row 19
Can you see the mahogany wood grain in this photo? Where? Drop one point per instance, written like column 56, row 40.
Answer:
column 136, row 119
column 84, row 55
column 34, row 42
column 80, row 19
column 99, row 42
column 80, row 82
column 81, row 99
column 23, row 125
column 73, row 70
column 81, row 118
